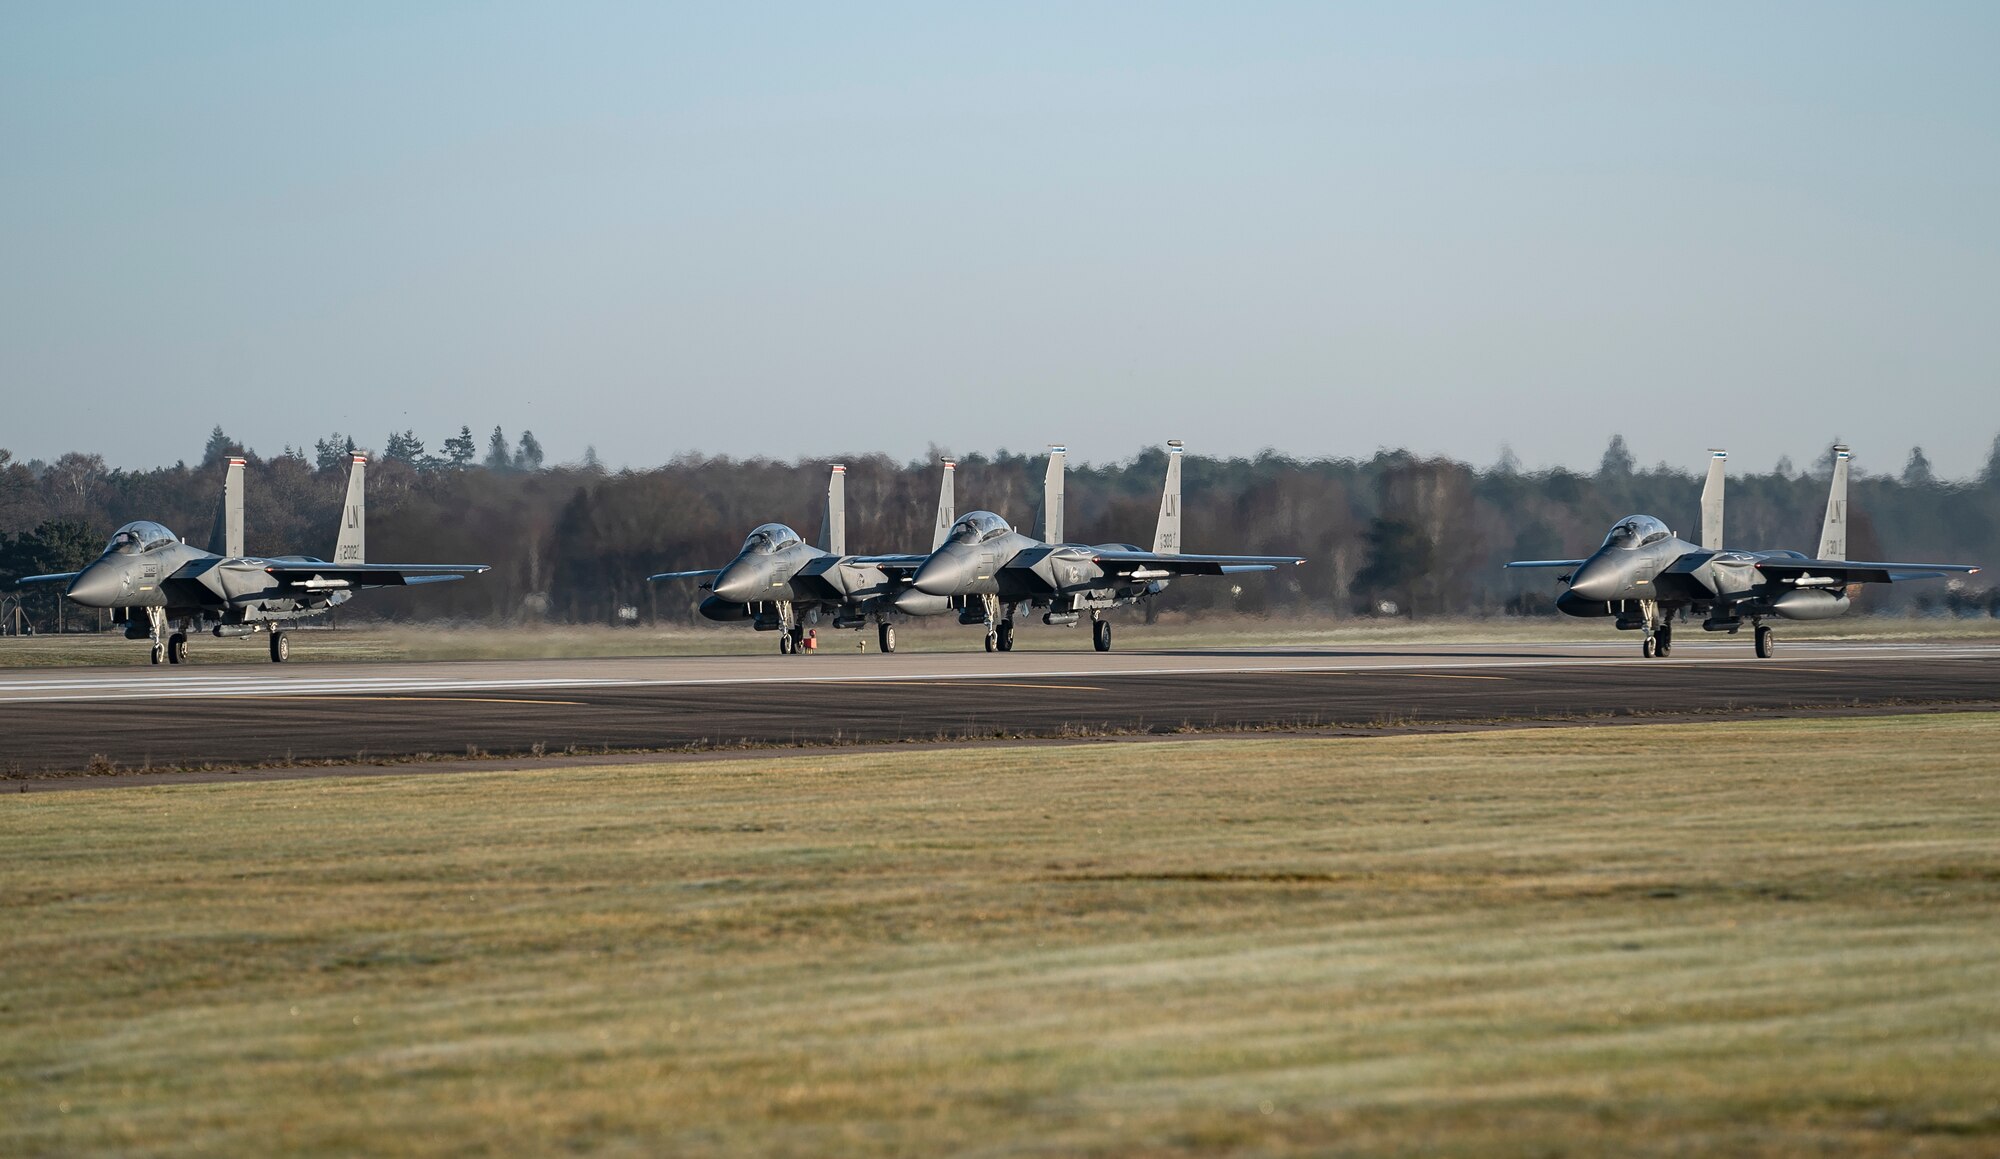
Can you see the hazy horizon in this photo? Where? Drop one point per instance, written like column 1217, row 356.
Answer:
column 796, row 231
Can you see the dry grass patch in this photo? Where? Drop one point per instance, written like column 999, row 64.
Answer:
column 1742, row 938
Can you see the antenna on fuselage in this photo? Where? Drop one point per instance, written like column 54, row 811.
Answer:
column 1711, row 501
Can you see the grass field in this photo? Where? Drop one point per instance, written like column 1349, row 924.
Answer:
column 434, row 642
column 1748, row 939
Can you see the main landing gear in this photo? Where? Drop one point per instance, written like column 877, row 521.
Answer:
column 1767, row 642
column 885, row 636
column 1100, row 634
column 281, row 647
column 177, row 648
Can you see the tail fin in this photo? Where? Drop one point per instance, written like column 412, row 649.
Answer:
column 947, row 506
column 1049, row 520
column 833, row 525
column 227, row 538
column 352, row 546
column 1167, row 536
column 1833, row 533
column 1711, row 501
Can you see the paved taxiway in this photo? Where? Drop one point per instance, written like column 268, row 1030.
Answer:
column 57, row 719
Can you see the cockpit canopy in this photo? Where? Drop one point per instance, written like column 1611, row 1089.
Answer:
column 769, row 538
column 978, row 527
column 134, row 538
column 1636, row 531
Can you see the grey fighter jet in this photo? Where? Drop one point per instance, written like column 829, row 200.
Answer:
column 1644, row 575
column 781, row 584
column 991, row 573
column 152, row 580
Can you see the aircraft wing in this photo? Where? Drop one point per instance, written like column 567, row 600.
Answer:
column 370, row 575
column 1157, row 565
column 1546, row 563
column 1848, row 571
column 710, row 573
column 47, row 579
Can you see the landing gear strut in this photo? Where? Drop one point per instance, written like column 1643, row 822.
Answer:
column 1658, row 639
column 885, row 635
column 1767, row 642
column 157, row 617
column 992, row 605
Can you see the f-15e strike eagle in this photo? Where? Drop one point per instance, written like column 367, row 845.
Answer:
column 780, row 583
column 1644, row 575
column 991, row 572
column 147, row 570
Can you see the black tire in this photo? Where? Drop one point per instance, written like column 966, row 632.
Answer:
column 1666, row 640
column 992, row 641
column 159, row 653
column 1003, row 635
column 1100, row 635
column 1650, row 646
column 885, row 635
column 1767, row 642
column 177, row 649
column 281, row 648
column 784, row 643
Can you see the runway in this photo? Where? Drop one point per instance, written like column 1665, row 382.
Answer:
column 259, row 714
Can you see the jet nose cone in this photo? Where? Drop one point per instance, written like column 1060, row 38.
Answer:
column 736, row 585
column 1595, row 580
column 97, row 586
column 941, row 575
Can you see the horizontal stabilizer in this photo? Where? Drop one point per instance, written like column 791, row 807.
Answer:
column 1859, row 571
column 366, row 575
column 1164, row 564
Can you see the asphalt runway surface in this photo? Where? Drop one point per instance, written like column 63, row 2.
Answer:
column 143, row 718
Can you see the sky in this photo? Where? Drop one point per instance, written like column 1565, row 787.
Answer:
column 807, row 230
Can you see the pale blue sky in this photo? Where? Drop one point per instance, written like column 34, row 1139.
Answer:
column 789, row 230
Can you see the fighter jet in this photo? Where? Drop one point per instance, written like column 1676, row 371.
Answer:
column 781, row 584
column 992, row 573
column 1644, row 575
column 147, row 570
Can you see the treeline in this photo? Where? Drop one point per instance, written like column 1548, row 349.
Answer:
column 1395, row 534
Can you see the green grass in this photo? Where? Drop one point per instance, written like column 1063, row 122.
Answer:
column 1758, row 939
column 370, row 642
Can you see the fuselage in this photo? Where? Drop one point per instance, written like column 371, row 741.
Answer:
column 146, row 566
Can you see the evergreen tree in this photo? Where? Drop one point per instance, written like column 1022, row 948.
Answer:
column 459, row 449
column 333, row 452
column 220, row 447
column 497, row 458
column 1617, row 461
column 1917, row 472
column 528, row 457
column 404, row 448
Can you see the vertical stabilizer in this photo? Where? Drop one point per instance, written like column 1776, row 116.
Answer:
column 227, row 538
column 1049, row 520
column 1167, row 536
column 352, row 546
column 1833, row 533
column 1711, row 501
column 833, row 525
column 947, row 506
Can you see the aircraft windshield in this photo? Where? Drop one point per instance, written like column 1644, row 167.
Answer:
column 1635, row 531
column 978, row 527
column 769, row 538
column 137, row 537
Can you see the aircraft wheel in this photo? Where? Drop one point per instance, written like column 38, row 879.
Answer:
column 177, row 649
column 1766, row 642
column 1100, row 635
column 784, row 643
column 992, row 641
column 1004, row 635
column 281, row 648
column 1650, row 646
column 1666, row 640
column 798, row 641
column 885, row 635
column 159, row 653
